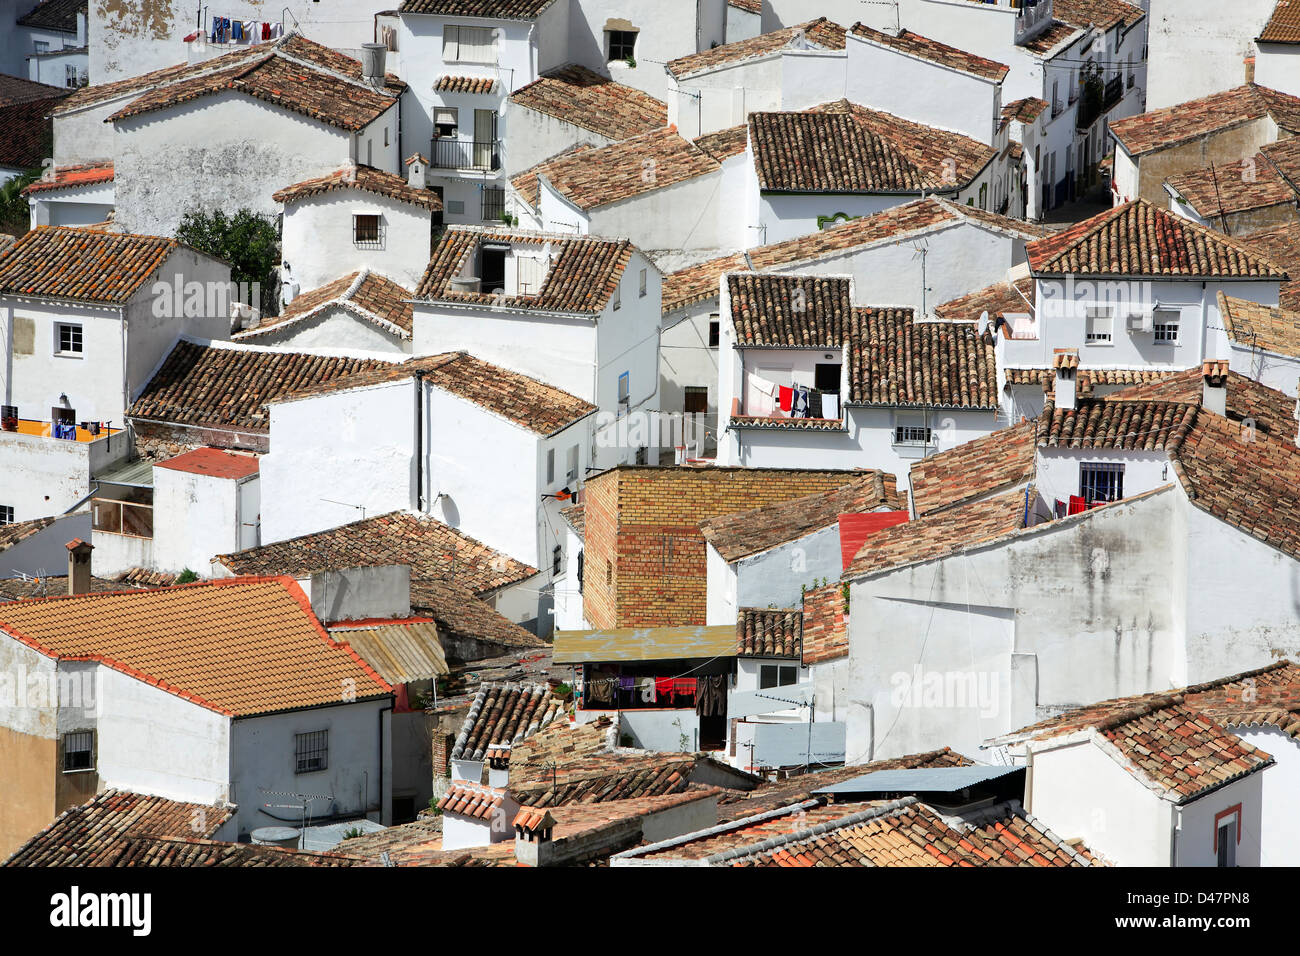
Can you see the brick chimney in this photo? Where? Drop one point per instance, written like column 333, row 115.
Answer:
column 1065, row 363
column 1214, row 387
column 79, row 566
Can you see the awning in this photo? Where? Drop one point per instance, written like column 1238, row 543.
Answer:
column 644, row 644
column 399, row 652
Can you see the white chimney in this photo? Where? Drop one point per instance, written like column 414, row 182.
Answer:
column 416, row 168
column 1214, row 390
column 374, row 58
column 1065, row 362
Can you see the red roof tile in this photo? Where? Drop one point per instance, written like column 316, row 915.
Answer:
column 1162, row 128
column 213, row 463
column 364, row 179
column 927, row 49
column 61, row 263
column 579, row 96
column 69, row 177
column 820, row 33
column 367, row 295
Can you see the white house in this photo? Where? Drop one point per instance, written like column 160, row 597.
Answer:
column 1150, row 781
column 156, row 691
column 53, row 34
column 1262, row 342
column 578, row 313
column 294, row 110
column 800, row 386
column 1190, row 63
column 80, row 195
column 1276, row 50
column 86, row 318
column 1113, row 503
column 356, row 218
column 1130, row 303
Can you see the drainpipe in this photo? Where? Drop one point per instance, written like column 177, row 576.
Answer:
column 1029, row 779
column 419, row 442
column 381, row 712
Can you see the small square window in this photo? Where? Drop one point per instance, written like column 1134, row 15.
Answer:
column 1101, row 481
column 365, row 229
column 456, row 207
column 622, row 44
column 641, row 290
column 67, row 338
column 624, row 389
column 1165, row 325
column 1099, row 326
column 79, row 750
column 696, row 400
column 777, row 675
column 311, row 751
column 446, row 120
column 6, row 514
column 617, row 302
column 911, row 430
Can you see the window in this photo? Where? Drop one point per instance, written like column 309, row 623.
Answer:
column 715, row 331
column 618, row 298
column 456, row 207
column 1099, row 326
column 1101, row 481
column 550, row 466
column 70, row 75
column 1227, row 834
column 697, row 400
column 911, row 429
column 6, row 514
column 494, row 203
column 365, row 229
column 469, row 45
column 446, row 120
column 777, row 675
column 826, row 377
column 79, row 750
column 641, row 290
column 311, row 751
column 624, row 389
column 557, row 561
column 571, row 471
column 609, row 573
column 622, row 44
column 67, row 338
column 385, row 135
column 42, row 46
column 1165, row 324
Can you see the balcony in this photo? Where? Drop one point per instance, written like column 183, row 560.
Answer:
column 84, row 432
column 1114, row 92
column 1032, row 19
column 130, row 519
column 464, row 154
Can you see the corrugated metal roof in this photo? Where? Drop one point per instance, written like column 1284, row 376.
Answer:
column 921, row 780
column 644, row 644
column 137, row 474
column 399, row 653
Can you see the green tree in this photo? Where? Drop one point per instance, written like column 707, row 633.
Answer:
column 15, row 219
column 246, row 240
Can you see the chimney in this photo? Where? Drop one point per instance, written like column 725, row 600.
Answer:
column 534, row 830
column 498, row 761
column 1066, row 364
column 79, row 566
column 416, row 168
column 374, row 58
column 1214, row 391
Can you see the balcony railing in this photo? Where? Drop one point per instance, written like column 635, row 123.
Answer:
column 1114, row 92
column 1032, row 19
column 121, row 517
column 480, row 155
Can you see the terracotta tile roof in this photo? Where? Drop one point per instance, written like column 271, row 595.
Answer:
column 212, row 463
column 1140, row 239
column 1265, row 697
column 57, row 15
column 788, row 424
column 974, row 469
column 461, row 616
column 1170, row 747
column 739, row 535
column 143, row 578
column 956, row 529
column 239, row 647
column 473, row 800
column 1261, row 326
column 725, row 143
column 583, row 275
column 820, row 33
column 908, row 833
column 15, row 89
column 925, row 48
column 367, row 295
column 188, row 851
column 842, row 147
column 538, row 407
column 89, row 834
column 575, row 516
column 1102, row 14
column 62, row 263
column 477, row 85
column 1284, row 157
column 1233, row 187
column 12, row 534
column 1273, row 412
column 491, row 9
column 22, row 589
column 700, row 282
column 765, row 632
column 1056, row 34
column 1281, row 246
column 1162, row 128
column 230, row 387
column 26, row 132
column 584, row 98
column 1088, row 378
column 504, row 714
column 825, row 624
column 1000, row 299
column 606, row 777
column 1024, row 110
column 1284, row 24
column 893, row 359
column 70, row 177
column 749, row 6
column 618, row 171
column 435, row 552
column 525, row 183
column 297, row 74
column 799, row 787
column 365, row 179
column 1115, row 423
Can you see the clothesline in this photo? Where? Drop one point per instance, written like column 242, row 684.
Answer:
column 230, row 30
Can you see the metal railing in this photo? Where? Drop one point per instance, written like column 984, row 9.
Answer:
column 121, row 517
column 481, row 155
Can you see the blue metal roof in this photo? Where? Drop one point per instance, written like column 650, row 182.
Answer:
column 920, row 780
